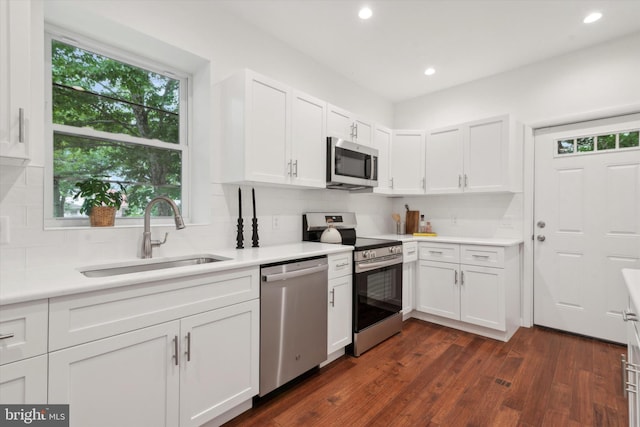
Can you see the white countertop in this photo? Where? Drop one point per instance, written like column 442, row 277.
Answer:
column 632, row 280
column 34, row 284
column 488, row 241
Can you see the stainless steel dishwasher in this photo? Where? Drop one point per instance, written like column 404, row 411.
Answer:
column 293, row 320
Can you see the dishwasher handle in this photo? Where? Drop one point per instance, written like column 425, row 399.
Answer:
column 295, row 273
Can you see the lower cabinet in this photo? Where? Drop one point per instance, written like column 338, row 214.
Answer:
column 470, row 287
column 409, row 273
column 339, row 320
column 631, row 365
column 184, row 372
column 24, row 381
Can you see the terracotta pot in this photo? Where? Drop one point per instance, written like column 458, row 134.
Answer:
column 102, row 216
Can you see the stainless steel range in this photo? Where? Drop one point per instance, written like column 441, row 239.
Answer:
column 377, row 279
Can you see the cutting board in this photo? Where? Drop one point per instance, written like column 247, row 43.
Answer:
column 412, row 222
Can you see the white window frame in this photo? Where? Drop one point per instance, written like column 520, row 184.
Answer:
column 185, row 123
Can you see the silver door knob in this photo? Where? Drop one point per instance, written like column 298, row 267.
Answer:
column 541, row 224
column 541, row 238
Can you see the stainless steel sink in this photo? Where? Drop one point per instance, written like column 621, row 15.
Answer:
column 149, row 265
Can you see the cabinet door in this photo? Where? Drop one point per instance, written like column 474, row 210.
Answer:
column 219, row 361
column 408, row 286
column 382, row 142
column 438, row 290
column 407, row 162
column 339, row 315
column 24, row 382
column 443, row 171
column 267, row 130
column 363, row 132
column 339, row 123
column 127, row 380
column 482, row 296
column 308, row 141
column 15, row 22
column 486, row 155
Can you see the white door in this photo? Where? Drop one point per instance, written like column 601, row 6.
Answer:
column 407, row 162
column 587, row 225
column 438, row 290
column 128, row 380
column 219, row 361
column 444, row 161
column 308, row 141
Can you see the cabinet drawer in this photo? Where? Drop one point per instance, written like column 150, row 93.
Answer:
column 447, row 252
column 77, row 319
column 410, row 251
column 23, row 330
column 340, row 264
column 487, row 256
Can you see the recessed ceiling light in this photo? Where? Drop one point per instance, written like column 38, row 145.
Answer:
column 365, row 13
column 592, row 17
column 430, row 71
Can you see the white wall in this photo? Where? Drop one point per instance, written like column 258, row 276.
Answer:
column 196, row 36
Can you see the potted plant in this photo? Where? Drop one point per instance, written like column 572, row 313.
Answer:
column 100, row 201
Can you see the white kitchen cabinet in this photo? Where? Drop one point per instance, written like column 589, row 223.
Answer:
column 408, row 162
column 470, row 287
column 129, row 380
column 185, row 351
column 218, row 366
column 409, row 268
column 24, row 381
column 339, row 319
column 348, row 126
column 631, row 364
column 340, row 308
column 308, row 142
column 479, row 156
column 272, row 133
column 15, row 68
column 382, row 142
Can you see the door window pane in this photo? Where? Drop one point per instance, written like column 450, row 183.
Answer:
column 606, row 142
column 629, row 139
column 585, row 144
column 565, row 146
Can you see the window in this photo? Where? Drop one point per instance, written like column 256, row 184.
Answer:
column 599, row 143
column 116, row 118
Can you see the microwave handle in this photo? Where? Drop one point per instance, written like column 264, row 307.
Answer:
column 374, row 168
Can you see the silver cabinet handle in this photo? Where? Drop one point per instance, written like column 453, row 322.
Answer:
column 355, row 128
column 6, row 336
column 466, row 181
column 411, row 252
column 21, row 125
column 459, row 181
column 344, row 264
column 295, row 168
column 462, row 277
column 333, row 298
column 289, row 168
column 188, row 352
column 435, row 252
column 455, row 280
column 391, row 182
column 629, row 316
column 175, row 350
column 296, row 273
column 480, row 256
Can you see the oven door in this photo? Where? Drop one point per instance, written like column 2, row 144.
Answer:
column 377, row 293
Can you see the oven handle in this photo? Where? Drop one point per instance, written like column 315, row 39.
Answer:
column 364, row 267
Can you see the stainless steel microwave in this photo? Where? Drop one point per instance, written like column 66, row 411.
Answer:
column 351, row 166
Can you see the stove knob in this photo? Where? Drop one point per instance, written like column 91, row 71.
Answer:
column 366, row 254
column 373, row 254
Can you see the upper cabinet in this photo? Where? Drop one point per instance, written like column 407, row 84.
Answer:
column 346, row 125
column 272, row 133
column 382, row 142
column 479, row 156
column 407, row 162
column 15, row 73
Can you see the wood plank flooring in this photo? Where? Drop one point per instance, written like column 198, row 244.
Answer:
column 430, row 375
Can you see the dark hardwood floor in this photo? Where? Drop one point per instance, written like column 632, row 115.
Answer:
column 430, row 375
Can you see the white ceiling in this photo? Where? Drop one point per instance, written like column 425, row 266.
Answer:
column 463, row 39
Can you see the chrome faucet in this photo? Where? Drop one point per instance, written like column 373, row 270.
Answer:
column 147, row 243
